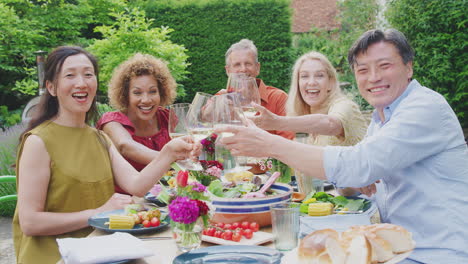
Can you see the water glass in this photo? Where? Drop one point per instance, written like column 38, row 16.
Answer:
column 285, row 225
column 307, row 183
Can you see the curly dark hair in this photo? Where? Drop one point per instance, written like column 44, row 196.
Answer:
column 139, row 65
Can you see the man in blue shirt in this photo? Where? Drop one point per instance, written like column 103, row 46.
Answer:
column 414, row 146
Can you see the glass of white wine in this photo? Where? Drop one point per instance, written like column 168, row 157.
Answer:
column 200, row 116
column 177, row 119
column 228, row 111
column 177, row 127
column 247, row 89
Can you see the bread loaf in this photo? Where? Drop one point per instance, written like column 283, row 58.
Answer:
column 358, row 245
column 321, row 246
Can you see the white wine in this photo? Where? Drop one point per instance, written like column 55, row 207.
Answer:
column 249, row 111
column 201, row 133
column 176, row 135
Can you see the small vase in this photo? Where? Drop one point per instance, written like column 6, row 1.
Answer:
column 187, row 239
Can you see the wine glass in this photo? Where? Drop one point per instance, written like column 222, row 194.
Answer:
column 177, row 120
column 177, row 127
column 200, row 116
column 228, row 111
column 247, row 89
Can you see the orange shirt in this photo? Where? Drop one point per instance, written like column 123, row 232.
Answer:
column 274, row 99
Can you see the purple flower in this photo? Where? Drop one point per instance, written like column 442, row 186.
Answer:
column 184, row 210
column 205, row 142
column 198, row 187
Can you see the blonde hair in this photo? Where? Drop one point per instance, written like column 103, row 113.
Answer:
column 295, row 105
column 140, row 65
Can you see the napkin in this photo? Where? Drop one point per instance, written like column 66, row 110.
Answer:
column 101, row 249
column 340, row 223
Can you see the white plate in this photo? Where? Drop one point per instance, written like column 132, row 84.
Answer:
column 291, row 257
column 258, row 238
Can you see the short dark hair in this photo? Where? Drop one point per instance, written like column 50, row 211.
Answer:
column 370, row 37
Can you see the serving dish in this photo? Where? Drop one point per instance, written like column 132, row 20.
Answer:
column 98, row 221
column 231, row 254
column 230, row 210
column 258, row 238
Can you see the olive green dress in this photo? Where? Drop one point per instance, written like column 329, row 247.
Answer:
column 81, row 178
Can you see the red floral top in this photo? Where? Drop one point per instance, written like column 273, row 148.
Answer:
column 155, row 142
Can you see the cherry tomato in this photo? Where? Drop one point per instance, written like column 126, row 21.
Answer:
column 239, row 230
column 227, row 226
column 211, row 231
column 205, row 232
column 236, row 237
column 218, row 233
column 155, row 221
column 227, row 235
column 220, row 225
column 245, row 225
column 235, row 225
column 248, row 233
column 254, row 226
column 146, row 223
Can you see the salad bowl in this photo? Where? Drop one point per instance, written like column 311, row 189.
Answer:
column 230, row 210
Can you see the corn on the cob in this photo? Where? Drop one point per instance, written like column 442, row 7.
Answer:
column 320, row 209
column 121, row 222
column 310, row 200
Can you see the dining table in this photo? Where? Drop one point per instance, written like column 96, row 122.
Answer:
column 165, row 249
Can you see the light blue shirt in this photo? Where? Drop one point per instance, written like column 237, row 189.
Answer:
column 419, row 154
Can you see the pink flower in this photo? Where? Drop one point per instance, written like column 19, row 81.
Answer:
column 156, row 189
column 214, row 171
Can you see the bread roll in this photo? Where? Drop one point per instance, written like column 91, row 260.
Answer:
column 321, row 246
column 398, row 237
column 358, row 251
column 358, row 245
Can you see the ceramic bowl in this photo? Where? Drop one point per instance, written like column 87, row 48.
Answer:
column 230, row 210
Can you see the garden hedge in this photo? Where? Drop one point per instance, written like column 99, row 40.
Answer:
column 437, row 30
column 208, row 28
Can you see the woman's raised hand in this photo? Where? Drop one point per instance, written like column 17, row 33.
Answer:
column 183, row 147
column 266, row 120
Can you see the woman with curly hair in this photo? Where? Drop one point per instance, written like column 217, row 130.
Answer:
column 139, row 89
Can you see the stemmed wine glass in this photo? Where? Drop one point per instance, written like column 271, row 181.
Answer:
column 177, row 127
column 177, row 119
column 247, row 89
column 200, row 116
column 228, row 111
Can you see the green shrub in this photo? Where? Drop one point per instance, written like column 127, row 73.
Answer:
column 437, row 30
column 208, row 28
column 131, row 33
column 28, row 26
column 8, row 118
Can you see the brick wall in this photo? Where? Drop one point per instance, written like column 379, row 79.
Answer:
column 318, row 13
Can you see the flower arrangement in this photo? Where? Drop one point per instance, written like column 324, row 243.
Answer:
column 208, row 146
column 273, row 165
column 185, row 209
column 212, row 170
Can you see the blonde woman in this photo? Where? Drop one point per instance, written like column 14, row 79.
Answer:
column 316, row 105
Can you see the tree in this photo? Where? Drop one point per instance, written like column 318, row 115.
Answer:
column 131, row 33
column 437, row 30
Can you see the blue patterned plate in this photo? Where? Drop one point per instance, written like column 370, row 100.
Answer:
column 231, row 254
column 98, row 221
